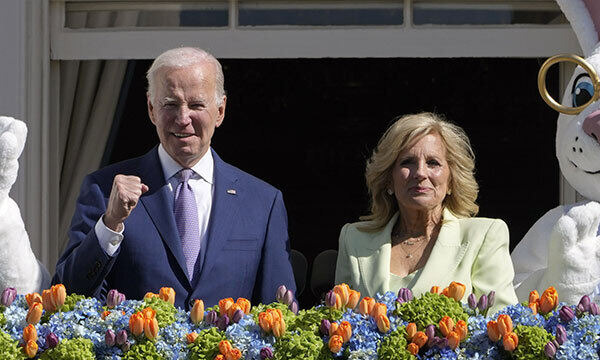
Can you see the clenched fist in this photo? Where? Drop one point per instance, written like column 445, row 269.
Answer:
column 124, row 196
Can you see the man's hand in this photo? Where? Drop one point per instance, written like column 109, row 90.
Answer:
column 124, row 196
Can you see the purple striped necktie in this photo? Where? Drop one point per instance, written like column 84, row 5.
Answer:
column 186, row 219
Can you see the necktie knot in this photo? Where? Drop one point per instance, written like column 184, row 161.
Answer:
column 184, row 175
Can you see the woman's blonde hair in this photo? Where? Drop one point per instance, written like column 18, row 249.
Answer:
column 403, row 133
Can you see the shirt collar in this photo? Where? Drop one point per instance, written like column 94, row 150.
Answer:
column 204, row 167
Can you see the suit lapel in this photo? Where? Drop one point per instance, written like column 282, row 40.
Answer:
column 158, row 202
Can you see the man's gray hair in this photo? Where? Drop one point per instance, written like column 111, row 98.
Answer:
column 183, row 57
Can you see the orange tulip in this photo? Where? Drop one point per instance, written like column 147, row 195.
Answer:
column 225, row 347
column 420, row 339
column 339, row 303
column 191, row 337
column 47, row 302
column 492, row 331
column 244, row 304
column 461, row 329
column 411, row 330
column 105, row 313
column 31, row 348
column 224, row 305
column 435, row 290
column 151, row 328
column 279, row 327
column 505, row 324
column 534, row 296
column 534, row 307
column 234, row 354
column 197, row 312
column 59, row 294
column 167, row 294
column 149, row 313
column 446, row 292
column 335, row 343
column 345, row 331
column 33, row 298
column 510, row 341
column 276, row 314
column 343, row 291
column 35, row 313
column 379, row 309
column 366, row 305
column 265, row 321
column 549, row 300
column 353, row 299
column 219, row 357
column 446, row 325
column 453, row 339
column 150, row 295
column 30, row 333
column 232, row 309
column 333, row 328
column 413, row 348
column 383, row 324
column 136, row 323
column 456, row 290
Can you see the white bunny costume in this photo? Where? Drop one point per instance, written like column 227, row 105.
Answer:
column 562, row 249
column 19, row 267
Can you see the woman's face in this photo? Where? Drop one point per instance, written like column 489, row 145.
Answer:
column 421, row 175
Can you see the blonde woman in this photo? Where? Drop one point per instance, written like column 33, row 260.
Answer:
column 421, row 231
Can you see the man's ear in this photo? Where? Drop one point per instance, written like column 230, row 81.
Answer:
column 150, row 108
column 221, row 110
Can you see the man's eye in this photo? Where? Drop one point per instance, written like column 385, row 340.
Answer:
column 169, row 105
column 196, row 106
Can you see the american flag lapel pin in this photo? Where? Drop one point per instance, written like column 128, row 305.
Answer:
column 231, row 192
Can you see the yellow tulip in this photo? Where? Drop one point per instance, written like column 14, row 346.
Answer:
column 31, row 348
column 47, row 302
column 335, row 343
column 453, row 339
column 345, row 331
column 59, row 294
column 446, row 325
column 279, row 327
column 151, row 328
column 197, row 312
column 510, row 341
column 456, row 290
column 136, row 323
column 244, row 304
column 383, row 324
column 366, row 305
column 224, row 305
column 492, row 331
column 191, row 337
column 353, row 299
column 30, row 333
column 167, row 294
column 549, row 300
column 33, row 298
column 505, row 324
column 35, row 313
column 413, row 348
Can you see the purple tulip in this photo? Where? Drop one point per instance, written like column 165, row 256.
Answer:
column 482, row 305
column 561, row 334
column 330, row 299
column 432, row 341
column 121, row 337
column 442, row 342
column 491, row 298
column 222, row 322
column 566, row 313
column 237, row 316
column 280, row 293
column 294, row 307
column 8, row 296
column 579, row 309
column 405, row 294
column 325, row 326
column 585, row 303
column 266, row 353
column 113, row 298
column 51, row 340
column 288, row 298
column 550, row 350
column 472, row 301
column 556, row 344
column 126, row 346
column 430, row 331
column 594, row 308
column 211, row 317
column 110, row 337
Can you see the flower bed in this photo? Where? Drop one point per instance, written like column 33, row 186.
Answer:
column 390, row 326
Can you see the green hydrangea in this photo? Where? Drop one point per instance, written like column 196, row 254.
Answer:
column 165, row 312
column 430, row 308
column 144, row 349
column 393, row 346
column 310, row 320
column 2, row 319
column 206, row 345
column 9, row 348
column 74, row 349
column 532, row 340
column 71, row 301
column 301, row 345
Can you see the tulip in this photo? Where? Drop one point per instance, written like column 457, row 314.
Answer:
column 446, row 292
column 219, row 357
column 31, row 348
column 59, row 294
column 244, row 304
column 338, row 301
column 435, row 290
column 430, row 331
column 104, row 314
column 191, row 337
column 549, row 300
column 121, row 337
column 566, row 314
column 383, row 324
column 30, row 333
column 510, row 341
column 197, row 312
column 232, row 309
column 456, row 290
column 446, row 325
column 461, row 329
column 8, row 296
column 579, row 310
column 413, row 348
column 353, row 299
column 149, row 313
column 442, row 343
column 343, row 291
column 167, row 294
column 333, row 328
column 113, row 298
column 211, row 317
column 225, row 346
column 294, row 307
column 366, row 305
column 35, row 313
column 585, row 303
column 110, row 337
column 550, row 349
column 136, row 324
column 324, row 327
column 288, row 298
column 533, row 307
column 224, row 305
column 151, row 328
column 330, row 299
column 472, row 301
column 492, row 331
column 345, row 331
column 234, row 354
column 265, row 321
column 276, row 314
column 150, row 295
column 420, row 339
column 594, row 309
column 411, row 330
column 335, row 343
column 505, row 324
column 561, row 334
column 491, row 298
column 379, row 309
column 237, row 316
column 405, row 294
column 534, row 296
column 33, row 298
column 51, row 340
column 47, row 302
column 266, row 353
column 279, row 327
column 281, row 290
column 453, row 339
column 126, row 346
column 223, row 322
column 482, row 304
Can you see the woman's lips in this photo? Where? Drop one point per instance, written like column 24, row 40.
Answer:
column 419, row 189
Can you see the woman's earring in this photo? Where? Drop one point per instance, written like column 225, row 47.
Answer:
column 390, row 192
column 449, row 192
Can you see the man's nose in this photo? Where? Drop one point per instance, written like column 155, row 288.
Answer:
column 183, row 116
column 591, row 125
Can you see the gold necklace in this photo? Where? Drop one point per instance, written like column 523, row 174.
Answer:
column 409, row 255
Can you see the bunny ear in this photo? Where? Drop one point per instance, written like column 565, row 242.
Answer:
column 584, row 16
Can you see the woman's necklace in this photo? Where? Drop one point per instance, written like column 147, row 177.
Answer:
column 397, row 239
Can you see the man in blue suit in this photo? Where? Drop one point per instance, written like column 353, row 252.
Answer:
column 142, row 224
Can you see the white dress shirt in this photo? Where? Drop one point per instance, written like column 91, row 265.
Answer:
column 201, row 182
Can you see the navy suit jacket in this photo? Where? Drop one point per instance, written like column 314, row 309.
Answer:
column 246, row 253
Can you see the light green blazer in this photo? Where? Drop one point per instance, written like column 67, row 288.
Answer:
column 472, row 251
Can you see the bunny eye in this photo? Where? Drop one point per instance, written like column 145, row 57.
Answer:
column 583, row 90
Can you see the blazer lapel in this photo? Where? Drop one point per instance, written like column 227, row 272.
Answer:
column 158, row 203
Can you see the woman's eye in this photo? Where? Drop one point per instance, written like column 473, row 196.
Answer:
column 433, row 163
column 405, row 162
column 582, row 93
